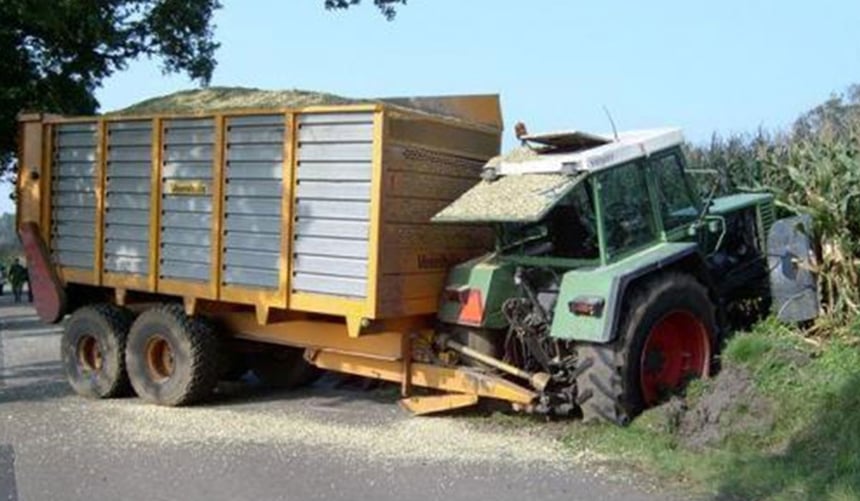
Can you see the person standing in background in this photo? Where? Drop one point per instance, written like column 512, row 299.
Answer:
column 17, row 277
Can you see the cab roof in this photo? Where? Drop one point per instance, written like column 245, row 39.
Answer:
column 575, row 151
column 524, row 185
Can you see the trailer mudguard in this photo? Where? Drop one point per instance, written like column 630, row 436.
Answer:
column 48, row 294
column 590, row 301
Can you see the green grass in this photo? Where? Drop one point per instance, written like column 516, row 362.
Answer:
column 812, row 451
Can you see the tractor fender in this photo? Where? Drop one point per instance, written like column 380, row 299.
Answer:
column 604, row 289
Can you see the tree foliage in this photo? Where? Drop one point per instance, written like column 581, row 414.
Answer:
column 57, row 53
column 387, row 7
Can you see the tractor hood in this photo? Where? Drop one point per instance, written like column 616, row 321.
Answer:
column 521, row 198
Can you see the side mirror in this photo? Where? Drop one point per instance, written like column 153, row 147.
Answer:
column 715, row 226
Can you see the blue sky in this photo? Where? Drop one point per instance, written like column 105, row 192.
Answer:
column 728, row 66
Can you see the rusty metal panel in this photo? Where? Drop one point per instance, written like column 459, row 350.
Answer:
column 186, row 202
column 127, row 189
column 253, row 188
column 332, row 209
column 73, row 183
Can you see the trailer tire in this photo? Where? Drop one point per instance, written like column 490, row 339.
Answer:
column 284, row 368
column 172, row 359
column 647, row 359
column 92, row 350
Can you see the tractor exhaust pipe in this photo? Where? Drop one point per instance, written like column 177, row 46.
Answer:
column 538, row 380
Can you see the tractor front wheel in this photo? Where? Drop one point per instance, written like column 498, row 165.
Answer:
column 666, row 338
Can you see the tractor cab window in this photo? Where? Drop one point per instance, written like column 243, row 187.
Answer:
column 568, row 231
column 677, row 205
column 573, row 227
column 627, row 218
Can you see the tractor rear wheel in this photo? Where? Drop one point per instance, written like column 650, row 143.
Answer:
column 172, row 359
column 93, row 351
column 666, row 338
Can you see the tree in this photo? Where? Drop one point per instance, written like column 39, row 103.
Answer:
column 57, row 53
column 387, row 7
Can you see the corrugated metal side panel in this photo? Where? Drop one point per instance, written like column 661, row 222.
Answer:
column 73, row 200
column 253, row 186
column 187, row 156
column 332, row 212
column 127, row 188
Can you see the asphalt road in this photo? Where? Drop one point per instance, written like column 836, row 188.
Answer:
column 332, row 441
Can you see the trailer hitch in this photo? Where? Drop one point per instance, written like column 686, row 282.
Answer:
column 538, row 380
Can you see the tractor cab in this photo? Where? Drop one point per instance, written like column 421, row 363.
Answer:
column 583, row 199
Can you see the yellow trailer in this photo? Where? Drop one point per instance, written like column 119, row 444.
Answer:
column 166, row 237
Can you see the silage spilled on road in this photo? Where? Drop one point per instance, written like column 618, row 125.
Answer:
column 419, row 439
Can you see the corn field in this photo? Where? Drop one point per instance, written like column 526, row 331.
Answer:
column 813, row 169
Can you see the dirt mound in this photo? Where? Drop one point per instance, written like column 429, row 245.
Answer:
column 730, row 405
column 231, row 98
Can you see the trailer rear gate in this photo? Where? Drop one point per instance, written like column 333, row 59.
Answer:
column 323, row 210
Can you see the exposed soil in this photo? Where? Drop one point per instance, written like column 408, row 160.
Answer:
column 730, row 405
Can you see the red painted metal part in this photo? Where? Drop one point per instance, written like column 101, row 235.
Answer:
column 48, row 294
column 677, row 350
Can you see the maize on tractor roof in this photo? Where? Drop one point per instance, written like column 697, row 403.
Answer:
column 526, row 183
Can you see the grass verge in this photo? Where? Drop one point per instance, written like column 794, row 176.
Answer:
column 785, row 425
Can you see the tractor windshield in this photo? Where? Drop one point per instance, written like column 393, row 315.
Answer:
column 569, row 230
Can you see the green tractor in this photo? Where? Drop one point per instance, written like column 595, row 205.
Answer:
column 612, row 278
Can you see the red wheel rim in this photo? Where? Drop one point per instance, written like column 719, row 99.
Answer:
column 677, row 350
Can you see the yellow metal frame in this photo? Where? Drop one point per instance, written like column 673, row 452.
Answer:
column 185, row 288
column 46, row 185
column 376, row 182
column 337, row 108
column 316, row 334
column 268, row 299
column 125, row 281
column 354, row 310
column 101, row 180
column 357, row 312
column 217, row 207
column 75, row 275
column 155, row 206
column 452, row 379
